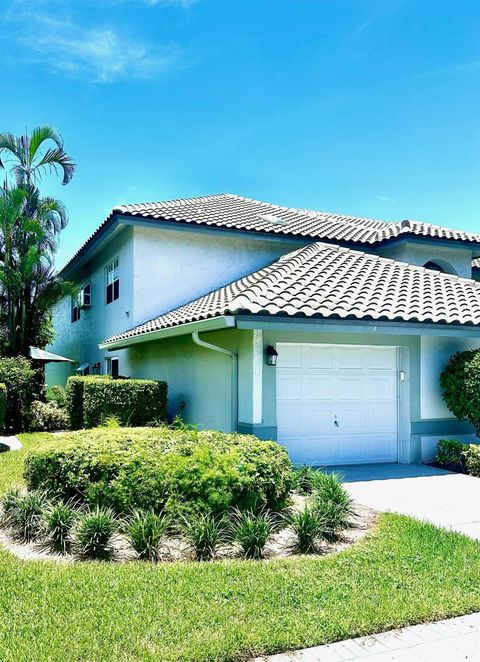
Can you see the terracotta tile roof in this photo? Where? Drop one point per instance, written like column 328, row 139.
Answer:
column 238, row 213
column 328, row 281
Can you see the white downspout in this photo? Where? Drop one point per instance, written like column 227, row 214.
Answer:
column 198, row 341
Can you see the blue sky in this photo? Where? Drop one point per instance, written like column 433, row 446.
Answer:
column 366, row 107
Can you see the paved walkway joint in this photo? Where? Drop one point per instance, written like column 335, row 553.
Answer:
column 451, row 640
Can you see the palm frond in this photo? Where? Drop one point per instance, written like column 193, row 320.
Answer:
column 54, row 158
column 39, row 135
column 7, row 144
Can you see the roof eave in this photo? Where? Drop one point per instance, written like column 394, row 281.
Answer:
column 212, row 324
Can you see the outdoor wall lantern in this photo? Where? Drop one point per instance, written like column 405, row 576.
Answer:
column 271, row 354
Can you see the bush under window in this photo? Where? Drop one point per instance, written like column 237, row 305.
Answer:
column 172, row 471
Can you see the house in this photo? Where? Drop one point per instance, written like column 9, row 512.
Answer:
column 205, row 293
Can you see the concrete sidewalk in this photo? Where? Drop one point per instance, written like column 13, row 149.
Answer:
column 449, row 640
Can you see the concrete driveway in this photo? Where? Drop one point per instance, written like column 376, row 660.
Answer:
column 444, row 498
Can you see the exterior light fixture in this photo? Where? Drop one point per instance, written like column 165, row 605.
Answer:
column 271, row 355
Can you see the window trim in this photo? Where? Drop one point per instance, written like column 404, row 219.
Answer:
column 109, row 362
column 112, row 268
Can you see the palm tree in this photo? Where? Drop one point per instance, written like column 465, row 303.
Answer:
column 29, row 229
column 31, row 160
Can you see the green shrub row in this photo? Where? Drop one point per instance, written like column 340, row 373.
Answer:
column 134, row 402
column 457, row 456
column 162, row 469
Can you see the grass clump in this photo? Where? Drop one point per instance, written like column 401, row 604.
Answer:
column 59, row 520
column 252, row 530
column 146, row 532
column 9, row 504
column 307, row 526
column 304, row 479
column 95, row 534
column 332, row 504
column 205, row 533
column 26, row 516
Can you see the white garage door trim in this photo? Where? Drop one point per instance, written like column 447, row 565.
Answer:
column 338, row 404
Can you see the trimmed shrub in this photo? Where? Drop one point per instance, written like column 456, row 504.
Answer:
column 58, row 523
column 176, row 471
column 146, row 532
column 95, row 533
column 22, row 384
column 472, row 460
column 204, row 534
column 3, row 407
column 134, row 402
column 74, row 398
column 47, row 417
column 451, row 454
column 460, row 382
column 251, row 531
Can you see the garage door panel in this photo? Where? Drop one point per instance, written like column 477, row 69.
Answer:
column 289, row 420
column 382, row 387
column 351, row 387
column 290, row 357
column 356, row 386
column 317, row 420
column 352, row 418
column 383, row 418
column 349, row 358
column 381, row 358
column 320, row 358
column 319, row 387
column 289, row 387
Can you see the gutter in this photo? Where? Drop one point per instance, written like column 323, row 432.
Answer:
column 234, row 389
column 213, row 324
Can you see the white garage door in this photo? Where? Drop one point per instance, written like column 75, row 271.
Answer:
column 337, row 404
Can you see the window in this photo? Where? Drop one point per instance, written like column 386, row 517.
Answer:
column 75, row 310
column 86, row 296
column 112, row 282
column 111, row 366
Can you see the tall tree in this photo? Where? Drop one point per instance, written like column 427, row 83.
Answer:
column 29, row 229
column 30, row 157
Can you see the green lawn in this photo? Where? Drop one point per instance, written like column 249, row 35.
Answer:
column 405, row 572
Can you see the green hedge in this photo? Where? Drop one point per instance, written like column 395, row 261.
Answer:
column 133, row 401
column 172, row 470
column 74, row 398
column 456, row 456
column 22, row 383
column 3, row 407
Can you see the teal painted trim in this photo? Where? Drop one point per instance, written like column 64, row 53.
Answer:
column 260, row 431
column 354, row 326
column 441, row 426
column 212, row 324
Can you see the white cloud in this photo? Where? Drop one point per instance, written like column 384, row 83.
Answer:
column 104, row 55
column 384, row 198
